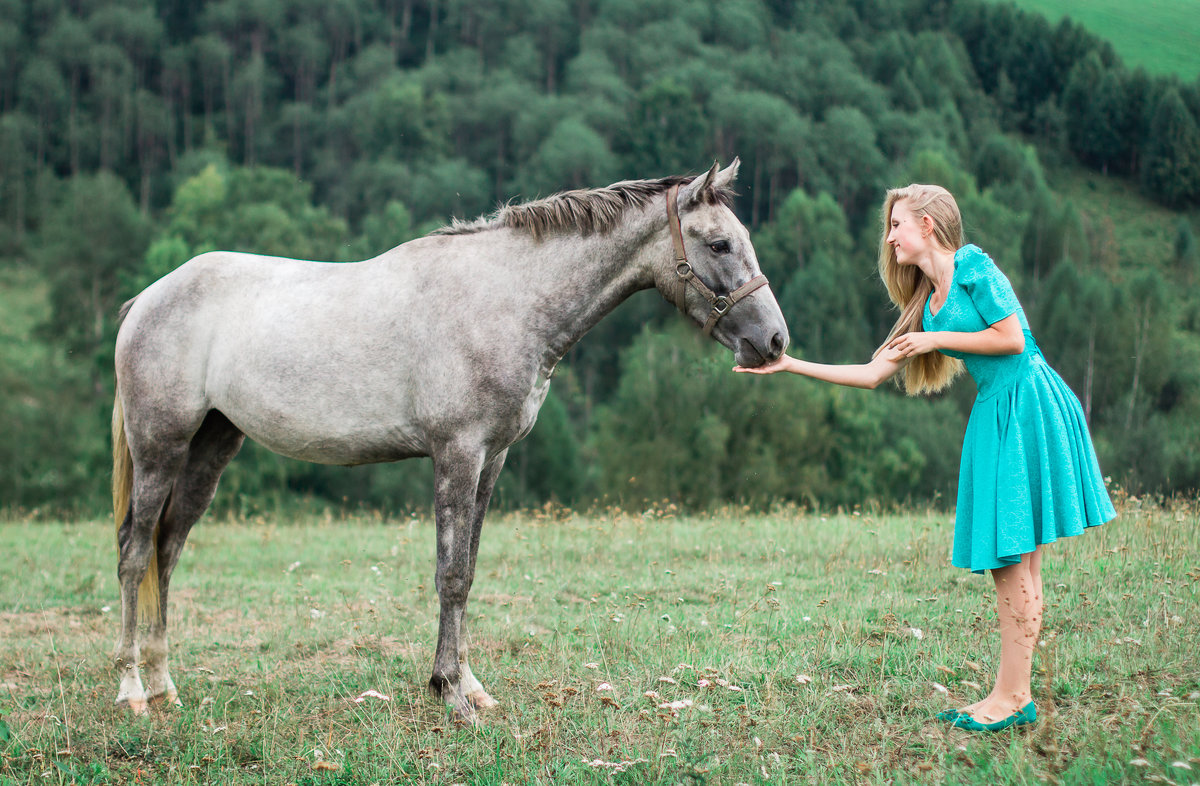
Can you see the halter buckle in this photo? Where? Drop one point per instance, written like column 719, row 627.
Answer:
column 721, row 305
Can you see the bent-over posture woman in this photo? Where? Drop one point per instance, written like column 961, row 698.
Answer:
column 1029, row 473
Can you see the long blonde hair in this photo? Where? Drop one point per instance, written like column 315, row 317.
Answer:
column 909, row 287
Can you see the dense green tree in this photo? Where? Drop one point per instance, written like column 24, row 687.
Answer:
column 1148, row 297
column 1187, row 251
column 1171, row 164
column 572, row 156
column 10, row 47
column 822, row 284
column 43, row 96
column 260, row 210
column 679, row 428
column 87, row 241
column 17, row 132
column 1095, row 103
column 849, row 155
column 52, row 452
column 1075, row 328
column 1052, row 234
column 668, row 131
column 770, row 135
column 1001, row 160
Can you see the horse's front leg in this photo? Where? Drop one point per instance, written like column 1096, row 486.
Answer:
column 476, row 694
column 456, row 482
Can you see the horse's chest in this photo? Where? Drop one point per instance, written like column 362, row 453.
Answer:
column 531, row 405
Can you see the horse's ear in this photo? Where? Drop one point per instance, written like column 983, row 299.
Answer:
column 691, row 193
column 724, row 179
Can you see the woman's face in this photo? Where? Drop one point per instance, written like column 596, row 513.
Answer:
column 907, row 235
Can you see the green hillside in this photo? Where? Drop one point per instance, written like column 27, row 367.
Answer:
column 1161, row 36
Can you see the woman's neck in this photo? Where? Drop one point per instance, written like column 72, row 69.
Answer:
column 938, row 265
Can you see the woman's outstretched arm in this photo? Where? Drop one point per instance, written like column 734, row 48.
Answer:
column 871, row 375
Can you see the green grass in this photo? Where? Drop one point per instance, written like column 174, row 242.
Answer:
column 278, row 626
column 1160, row 36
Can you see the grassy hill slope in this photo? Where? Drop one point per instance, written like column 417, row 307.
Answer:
column 1160, row 36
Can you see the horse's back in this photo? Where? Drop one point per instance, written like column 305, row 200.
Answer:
column 328, row 362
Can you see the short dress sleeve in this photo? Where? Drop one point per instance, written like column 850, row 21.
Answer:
column 987, row 286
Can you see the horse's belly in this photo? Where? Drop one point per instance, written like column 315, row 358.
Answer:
column 346, row 449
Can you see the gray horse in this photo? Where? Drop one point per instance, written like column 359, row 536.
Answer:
column 441, row 347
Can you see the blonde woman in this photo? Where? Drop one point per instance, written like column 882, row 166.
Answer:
column 1029, row 473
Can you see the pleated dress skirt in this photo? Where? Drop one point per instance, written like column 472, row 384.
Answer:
column 1029, row 473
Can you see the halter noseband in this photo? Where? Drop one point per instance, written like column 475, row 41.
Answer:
column 720, row 303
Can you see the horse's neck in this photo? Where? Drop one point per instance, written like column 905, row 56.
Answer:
column 592, row 276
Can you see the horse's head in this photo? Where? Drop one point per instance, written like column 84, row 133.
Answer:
column 714, row 275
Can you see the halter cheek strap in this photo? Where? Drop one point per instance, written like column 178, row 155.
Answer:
column 687, row 277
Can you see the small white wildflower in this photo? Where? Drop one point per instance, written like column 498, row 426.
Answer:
column 675, row 705
column 371, row 694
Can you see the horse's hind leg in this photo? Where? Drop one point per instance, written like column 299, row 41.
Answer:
column 153, row 476
column 210, row 451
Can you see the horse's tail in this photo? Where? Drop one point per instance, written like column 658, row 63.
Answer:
column 122, row 488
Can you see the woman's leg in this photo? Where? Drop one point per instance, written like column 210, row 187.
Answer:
column 1019, row 604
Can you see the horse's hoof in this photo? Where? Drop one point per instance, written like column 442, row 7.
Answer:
column 480, row 700
column 136, row 706
column 469, row 719
column 170, row 697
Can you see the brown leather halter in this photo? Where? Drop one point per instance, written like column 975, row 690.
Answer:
column 720, row 303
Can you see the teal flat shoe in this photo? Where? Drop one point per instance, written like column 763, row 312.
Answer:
column 1022, row 717
column 949, row 716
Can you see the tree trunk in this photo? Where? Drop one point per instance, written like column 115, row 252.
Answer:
column 430, row 49
column 1138, row 344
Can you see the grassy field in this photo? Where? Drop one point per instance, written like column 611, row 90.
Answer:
column 1160, row 36
column 799, row 648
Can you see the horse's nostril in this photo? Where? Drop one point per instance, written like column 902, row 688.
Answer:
column 777, row 345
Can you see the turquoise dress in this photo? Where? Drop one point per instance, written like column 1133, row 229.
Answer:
column 1029, row 473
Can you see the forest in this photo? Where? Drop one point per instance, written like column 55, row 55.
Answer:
column 136, row 134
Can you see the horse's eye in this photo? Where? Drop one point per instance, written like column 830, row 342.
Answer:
column 720, row 247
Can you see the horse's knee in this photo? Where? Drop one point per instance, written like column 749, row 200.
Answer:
column 134, row 560
column 453, row 585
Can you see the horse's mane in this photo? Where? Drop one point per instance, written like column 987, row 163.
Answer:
column 582, row 210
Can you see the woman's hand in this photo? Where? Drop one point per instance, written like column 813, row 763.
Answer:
column 782, row 364
column 911, row 344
